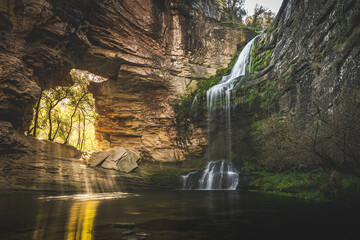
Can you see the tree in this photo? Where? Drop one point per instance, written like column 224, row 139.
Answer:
column 331, row 138
column 336, row 134
column 37, row 110
column 234, row 9
column 52, row 98
column 67, row 114
column 262, row 17
column 77, row 104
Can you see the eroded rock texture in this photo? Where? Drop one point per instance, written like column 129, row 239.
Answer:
column 316, row 53
column 148, row 49
column 313, row 76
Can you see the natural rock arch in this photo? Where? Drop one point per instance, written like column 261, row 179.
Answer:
column 149, row 50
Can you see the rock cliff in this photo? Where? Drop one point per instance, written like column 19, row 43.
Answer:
column 316, row 52
column 307, row 93
column 150, row 51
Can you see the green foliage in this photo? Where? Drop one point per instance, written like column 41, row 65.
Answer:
column 232, row 10
column 185, row 110
column 182, row 123
column 269, row 95
column 260, row 59
column 167, row 174
column 264, row 95
column 166, row 179
column 308, row 185
column 261, row 18
column 240, row 25
column 330, row 140
column 67, row 114
column 282, row 146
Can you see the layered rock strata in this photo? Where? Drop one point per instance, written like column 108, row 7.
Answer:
column 150, row 51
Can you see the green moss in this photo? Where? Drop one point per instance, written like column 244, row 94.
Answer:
column 152, row 174
column 164, row 179
column 307, row 185
column 185, row 112
column 264, row 95
column 260, row 60
column 182, row 106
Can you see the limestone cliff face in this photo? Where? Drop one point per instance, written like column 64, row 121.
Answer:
column 315, row 53
column 313, row 74
column 150, row 50
column 135, row 112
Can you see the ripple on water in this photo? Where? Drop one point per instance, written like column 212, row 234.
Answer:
column 90, row 196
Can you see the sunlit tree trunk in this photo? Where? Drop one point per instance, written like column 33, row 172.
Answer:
column 84, row 129
column 37, row 110
column 49, row 114
column 50, row 122
column 72, row 118
column 57, row 130
column 79, row 132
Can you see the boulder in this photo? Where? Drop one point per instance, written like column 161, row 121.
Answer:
column 97, row 158
column 122, row 159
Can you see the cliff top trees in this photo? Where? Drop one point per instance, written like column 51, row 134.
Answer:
column 261, row 18
column 233, row 9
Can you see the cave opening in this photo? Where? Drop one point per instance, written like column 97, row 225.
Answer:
column 66, row 114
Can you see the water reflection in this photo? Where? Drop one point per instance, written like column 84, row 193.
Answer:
column 174, row 215
column 48, row 220
column 89, row 196
column 70, row 217
column 80, row 223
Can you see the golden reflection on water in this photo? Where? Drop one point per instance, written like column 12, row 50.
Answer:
column 71, row 216
column 80, row 224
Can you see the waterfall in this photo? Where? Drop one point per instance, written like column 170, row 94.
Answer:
column 220, row 174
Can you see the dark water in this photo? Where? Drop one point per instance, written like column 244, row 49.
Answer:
column 172, row 215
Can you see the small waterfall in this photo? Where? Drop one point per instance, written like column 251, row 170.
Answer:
column 221, row 174
column 218, row 175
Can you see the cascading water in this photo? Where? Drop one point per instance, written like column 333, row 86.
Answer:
column 220, row 174
column 217, row 175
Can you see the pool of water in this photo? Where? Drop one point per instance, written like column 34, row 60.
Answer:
column 173, row 215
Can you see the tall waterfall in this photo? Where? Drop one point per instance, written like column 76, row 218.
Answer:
column 220, row 174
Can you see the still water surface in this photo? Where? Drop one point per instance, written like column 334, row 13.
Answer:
column 173, row 215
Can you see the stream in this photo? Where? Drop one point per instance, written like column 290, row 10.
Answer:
column 173, row 214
